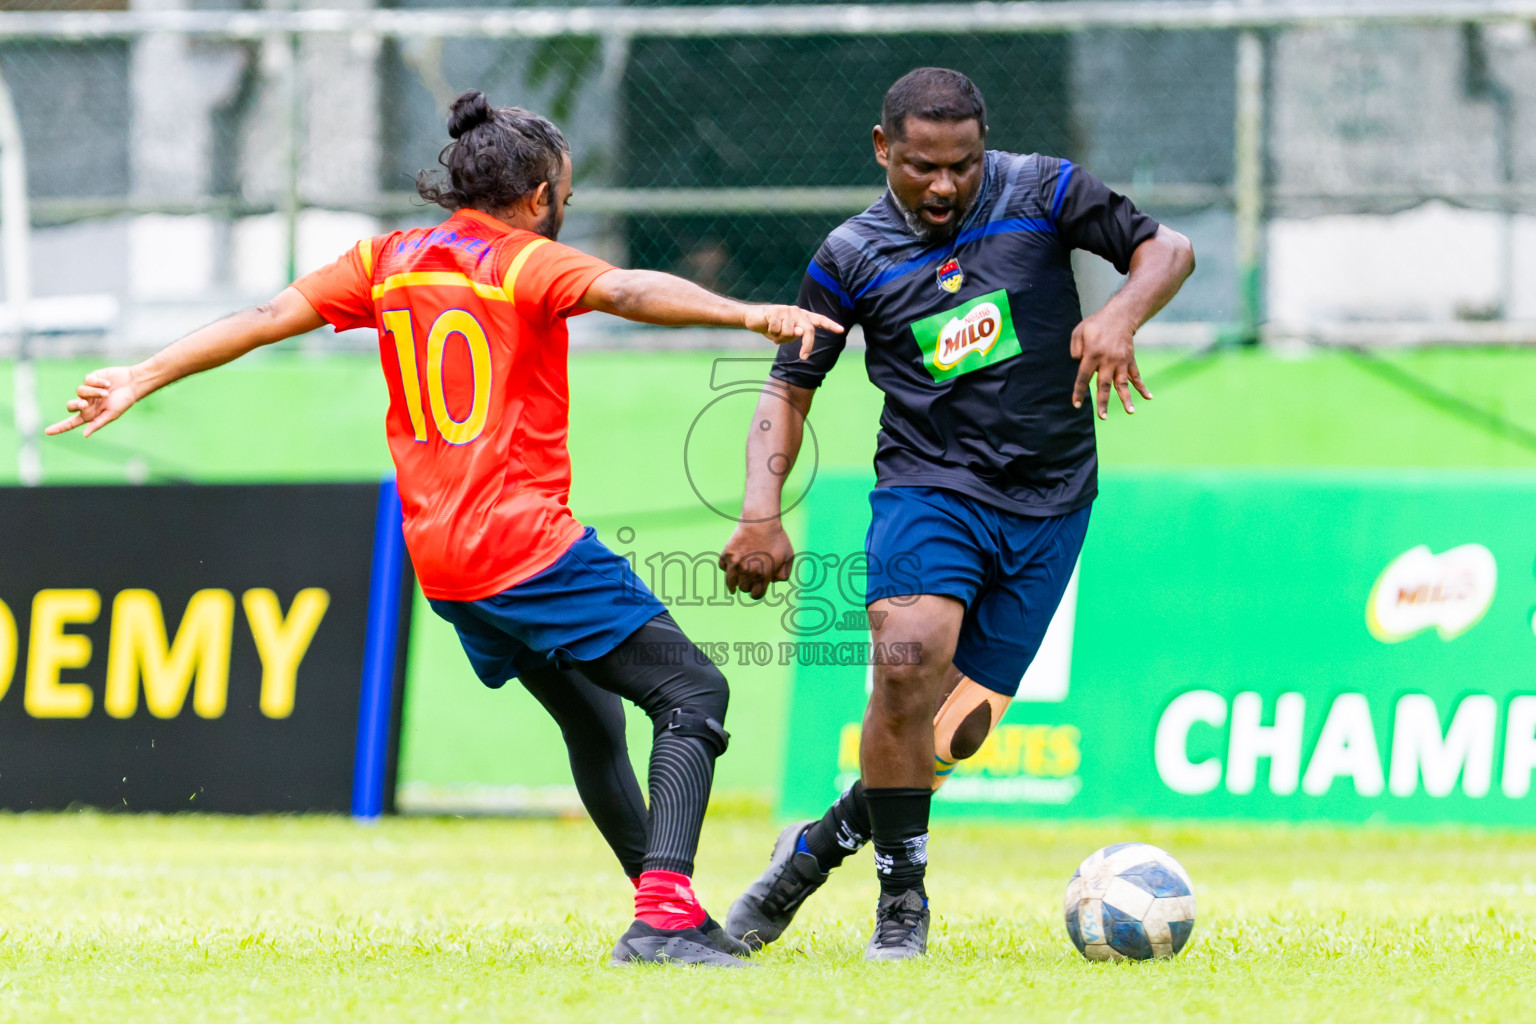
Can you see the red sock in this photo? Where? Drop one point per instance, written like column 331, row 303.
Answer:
column 665, row 899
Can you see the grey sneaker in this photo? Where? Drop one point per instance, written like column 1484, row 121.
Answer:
column 760, row 915
column 715, row 932
column 644, row 944
column 901, row 928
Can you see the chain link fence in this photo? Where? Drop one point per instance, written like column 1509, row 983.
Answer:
column 1354, row 173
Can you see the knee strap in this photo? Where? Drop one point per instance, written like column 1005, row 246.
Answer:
column 691, row 722
column 966, row 719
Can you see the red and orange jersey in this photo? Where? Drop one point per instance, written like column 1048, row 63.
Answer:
column 472, row 337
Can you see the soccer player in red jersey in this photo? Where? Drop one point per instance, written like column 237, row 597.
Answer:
column 472, row 336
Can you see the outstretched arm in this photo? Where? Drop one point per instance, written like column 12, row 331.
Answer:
column 759, row 551
column 108, row 393
column 1104, row 342
column 652, row 297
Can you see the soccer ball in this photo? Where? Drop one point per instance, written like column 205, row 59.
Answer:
column 1130, row 900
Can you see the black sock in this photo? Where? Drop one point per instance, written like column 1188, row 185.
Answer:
column 899, row 823
column 842, row 831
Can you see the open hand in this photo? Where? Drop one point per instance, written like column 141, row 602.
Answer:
column 786, row 323
column 103, row 397
column 1103, row 345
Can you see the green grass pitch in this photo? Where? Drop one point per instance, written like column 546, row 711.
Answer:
column 121, row 918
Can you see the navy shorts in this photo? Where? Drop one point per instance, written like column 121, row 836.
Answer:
column 1009, row 570
column 578, row 609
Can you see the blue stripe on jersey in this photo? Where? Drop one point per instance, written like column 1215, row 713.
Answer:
column 899, row 270
column 1063, row 176
column 829, row 282
column 1004, row 227
column 996, row 227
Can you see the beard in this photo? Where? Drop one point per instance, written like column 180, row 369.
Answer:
column 931, row 233
column 549, row 227
column 550, row 223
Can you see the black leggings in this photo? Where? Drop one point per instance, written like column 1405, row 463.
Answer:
column 661, row 671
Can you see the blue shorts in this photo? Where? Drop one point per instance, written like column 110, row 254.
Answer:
column 1009, row 570
column 578, row 609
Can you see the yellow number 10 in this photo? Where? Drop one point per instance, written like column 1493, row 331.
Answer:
column 397, row 322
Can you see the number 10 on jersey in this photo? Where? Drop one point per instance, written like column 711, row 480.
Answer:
column 397, row 323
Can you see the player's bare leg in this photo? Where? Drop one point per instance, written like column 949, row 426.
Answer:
column 896, row 761
column 905, row 700
column 806, row 852
column 896, row 747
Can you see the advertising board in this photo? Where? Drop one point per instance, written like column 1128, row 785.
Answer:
column 1345, row 646
column 200, row 648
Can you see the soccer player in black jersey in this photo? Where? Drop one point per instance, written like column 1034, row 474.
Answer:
column 986, row 469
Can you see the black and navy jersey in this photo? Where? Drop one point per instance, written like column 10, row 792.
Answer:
column 970, row 339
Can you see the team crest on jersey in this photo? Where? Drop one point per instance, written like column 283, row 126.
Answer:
column 951, row 277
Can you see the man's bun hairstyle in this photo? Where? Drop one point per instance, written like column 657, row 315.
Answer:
column 498, row 156
column 470, row 110
column 932, row 94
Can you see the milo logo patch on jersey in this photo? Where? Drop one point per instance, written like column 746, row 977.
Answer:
column 976, row 334
column 972, row 334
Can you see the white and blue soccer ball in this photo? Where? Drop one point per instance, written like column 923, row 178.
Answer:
column 1130, row 901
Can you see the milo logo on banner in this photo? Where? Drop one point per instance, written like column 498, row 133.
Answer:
column 1419, row 590
column 972, row 335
